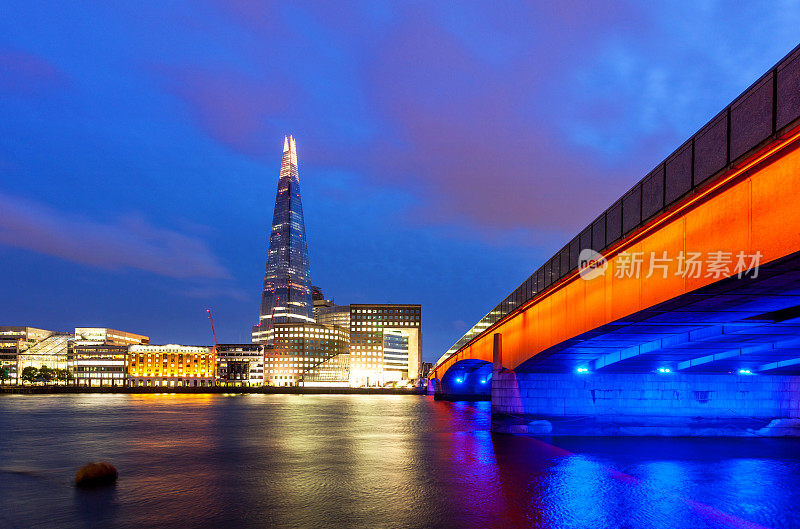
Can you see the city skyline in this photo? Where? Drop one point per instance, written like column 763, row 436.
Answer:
column 555, row 255
column 141, row 203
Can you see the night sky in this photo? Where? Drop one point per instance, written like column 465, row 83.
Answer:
column 444, row 152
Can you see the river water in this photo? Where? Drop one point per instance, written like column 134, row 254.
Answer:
column 367, row 461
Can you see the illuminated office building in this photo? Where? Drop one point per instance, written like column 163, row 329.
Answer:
column 240, row 364
column 52, row 352
column 109, row 336
column 171, row 365
column 300, row 347
column 395, row 350
column 333, row 372
column 14, row 340
column 98, row 363
column 286, row 294
column 385, row 343
column 99, row 356
column 26, row 334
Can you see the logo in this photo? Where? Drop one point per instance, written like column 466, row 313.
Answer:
column 591, row 264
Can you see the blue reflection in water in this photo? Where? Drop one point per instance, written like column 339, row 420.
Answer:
column 367, row 461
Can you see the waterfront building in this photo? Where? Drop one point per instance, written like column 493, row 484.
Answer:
column 109, row 336
column 298, row 348
column 240, row 364
column 52, row 352
column 385, row 343
column 171, row 365
column 99, row 356
column 333, row 372
column 15, row 339
column 94, row 363
column 286, row 293
column 26, row 334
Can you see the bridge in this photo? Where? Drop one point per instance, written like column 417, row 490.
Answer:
column 677, row 310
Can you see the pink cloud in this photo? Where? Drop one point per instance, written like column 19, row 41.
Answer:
column 474, row 140
column 128, row 243
column 229, row 105
column 26, row 73
column 467, row 128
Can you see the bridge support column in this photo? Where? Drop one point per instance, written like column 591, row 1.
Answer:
column 434, row 386
column 676, row 404
column 508, row 407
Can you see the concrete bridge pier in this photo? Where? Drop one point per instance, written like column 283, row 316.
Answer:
column 664, row 404
column 508, row 410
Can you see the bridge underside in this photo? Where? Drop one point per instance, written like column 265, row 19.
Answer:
column 467, row 380
column 747, row 324
column 721, row 360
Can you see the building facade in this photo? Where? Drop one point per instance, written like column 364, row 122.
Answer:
column 385, row 343
column 286, row 293
column 52, row 352
column 98, row 363
column 298, row 348
column 240, row 364
column 99, row 356
column 14, row 340
column 333, row 372
column 171, row 365
column 109, row 336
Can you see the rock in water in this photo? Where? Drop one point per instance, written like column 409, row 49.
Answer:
column 95, row 474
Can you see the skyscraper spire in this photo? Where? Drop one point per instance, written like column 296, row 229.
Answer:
column 286, row 295
column 293, row 149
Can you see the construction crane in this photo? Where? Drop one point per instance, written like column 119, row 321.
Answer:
column 213, row 332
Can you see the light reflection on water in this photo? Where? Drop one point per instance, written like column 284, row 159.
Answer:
column 366, row 461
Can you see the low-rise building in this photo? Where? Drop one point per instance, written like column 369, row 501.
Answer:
column 171, row 365
column 98, row 364
column 14, row 340
column 99, row 356
column 109, row 336
column 240, row 364
column 52, row 352
column 333, row 372
column 298, row 347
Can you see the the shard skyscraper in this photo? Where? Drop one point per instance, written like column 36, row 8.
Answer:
column 286, row 297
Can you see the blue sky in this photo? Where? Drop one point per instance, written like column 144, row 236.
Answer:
column 445, row 151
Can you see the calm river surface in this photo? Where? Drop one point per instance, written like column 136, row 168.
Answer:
column 367, row 461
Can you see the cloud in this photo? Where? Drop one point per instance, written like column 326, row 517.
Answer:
column 429, row 105
column 529, row 117
column 27, row 74
column 127, row 243
column 230, row 106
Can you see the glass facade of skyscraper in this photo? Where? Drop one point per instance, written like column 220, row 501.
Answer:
column 286, row 296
